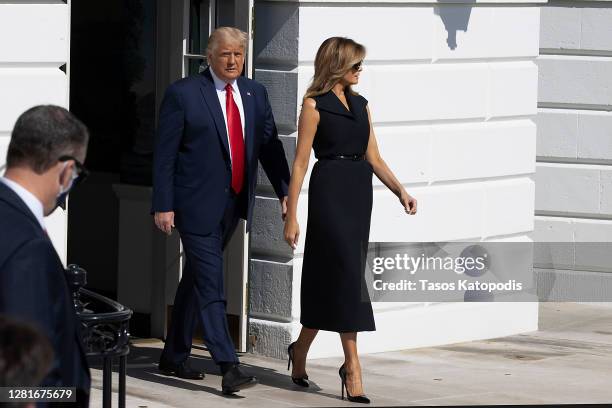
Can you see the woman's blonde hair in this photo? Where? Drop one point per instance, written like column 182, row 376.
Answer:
column 335, row 57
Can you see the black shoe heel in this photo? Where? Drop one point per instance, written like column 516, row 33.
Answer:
column 301, row 381
column 357, row 398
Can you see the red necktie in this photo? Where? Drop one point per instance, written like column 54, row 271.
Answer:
column 234, row 126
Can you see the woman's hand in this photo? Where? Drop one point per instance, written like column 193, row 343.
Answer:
column 292, row 232
column 409, row 202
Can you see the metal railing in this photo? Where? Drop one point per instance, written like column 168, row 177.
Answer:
column 105, row 330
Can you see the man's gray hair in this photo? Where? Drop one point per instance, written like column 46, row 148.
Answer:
column 42, row 135
column 231, row 34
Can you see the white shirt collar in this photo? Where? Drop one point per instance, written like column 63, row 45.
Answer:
column 220, row 84
column 28, row 198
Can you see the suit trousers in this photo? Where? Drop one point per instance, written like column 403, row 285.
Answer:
column 200, row 294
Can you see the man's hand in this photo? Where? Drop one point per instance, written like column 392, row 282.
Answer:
column 283, row 203
column 165, row 221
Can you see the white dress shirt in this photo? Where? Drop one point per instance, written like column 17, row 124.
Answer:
column 221, row 94
column 29, row 199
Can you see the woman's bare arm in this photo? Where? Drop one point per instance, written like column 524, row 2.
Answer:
column 307, row 127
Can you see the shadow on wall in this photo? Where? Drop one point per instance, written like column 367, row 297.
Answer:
column 276, row 42
column 455, row 17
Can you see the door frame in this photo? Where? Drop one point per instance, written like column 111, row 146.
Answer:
column 173, row 63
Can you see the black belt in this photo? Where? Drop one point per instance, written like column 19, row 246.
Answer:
column 354, row 157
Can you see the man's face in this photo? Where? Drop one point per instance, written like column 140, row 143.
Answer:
column 227, row 60
column 62, row 177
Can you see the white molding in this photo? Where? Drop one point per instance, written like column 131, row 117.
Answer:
column 379, row 3
column 421, row 325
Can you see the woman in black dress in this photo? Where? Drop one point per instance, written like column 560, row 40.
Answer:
column 335, row 122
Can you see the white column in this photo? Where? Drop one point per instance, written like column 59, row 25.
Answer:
column 35, row 45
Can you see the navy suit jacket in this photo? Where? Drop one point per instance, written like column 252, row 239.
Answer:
column 192, row 167
column 33, row 288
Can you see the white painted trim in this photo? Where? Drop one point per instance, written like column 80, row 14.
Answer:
column 185, row 24
column 425, row 325
column 250, row 44
column 244, row 314
column 243, row 329
column 379, row 3
column 434, row 325
column 69, row 37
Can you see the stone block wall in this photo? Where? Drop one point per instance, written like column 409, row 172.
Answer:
column 453, row 93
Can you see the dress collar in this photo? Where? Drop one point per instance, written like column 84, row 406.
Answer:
column 331, row 103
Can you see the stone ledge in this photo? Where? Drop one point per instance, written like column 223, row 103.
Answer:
column 269, row 338
column 566, row 285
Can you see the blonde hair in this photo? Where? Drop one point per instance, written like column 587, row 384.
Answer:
column 226, row 33
column 335, row 57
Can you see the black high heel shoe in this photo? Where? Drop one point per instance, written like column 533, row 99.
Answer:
column 301, row 381
column 357, row 398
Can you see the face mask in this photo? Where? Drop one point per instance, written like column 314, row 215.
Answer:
column 63, row 193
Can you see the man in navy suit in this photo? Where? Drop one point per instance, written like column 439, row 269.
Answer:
column 48, row 145
column 213, row 129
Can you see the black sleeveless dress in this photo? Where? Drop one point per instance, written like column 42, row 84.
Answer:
column 333, row 292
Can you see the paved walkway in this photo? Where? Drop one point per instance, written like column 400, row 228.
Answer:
column 569, row 360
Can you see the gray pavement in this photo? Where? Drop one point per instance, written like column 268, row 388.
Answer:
column 568, row 360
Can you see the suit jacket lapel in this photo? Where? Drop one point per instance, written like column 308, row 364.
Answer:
column 246, row 94
column 212, row 102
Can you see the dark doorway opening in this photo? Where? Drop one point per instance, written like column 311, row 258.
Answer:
column 113, row 90
column 124, row 53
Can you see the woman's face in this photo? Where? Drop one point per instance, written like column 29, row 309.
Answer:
column 352, row 76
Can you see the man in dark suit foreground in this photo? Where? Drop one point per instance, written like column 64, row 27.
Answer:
column 48, row 145
column 213, row 129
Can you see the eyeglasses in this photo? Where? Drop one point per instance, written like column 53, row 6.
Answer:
column 357, row 66
column 82, row 172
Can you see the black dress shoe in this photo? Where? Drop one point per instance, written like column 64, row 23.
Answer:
column 235, row 380
column 180, row 370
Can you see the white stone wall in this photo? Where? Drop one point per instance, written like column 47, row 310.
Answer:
column 34, row 45
column 453, row 93
column 574, row 136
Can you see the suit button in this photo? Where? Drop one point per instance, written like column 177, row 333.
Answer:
column 226, row 190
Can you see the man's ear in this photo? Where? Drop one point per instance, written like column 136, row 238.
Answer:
column 66, row 169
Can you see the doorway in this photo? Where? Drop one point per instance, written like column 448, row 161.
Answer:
column 200, row 18
column 124, row 53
